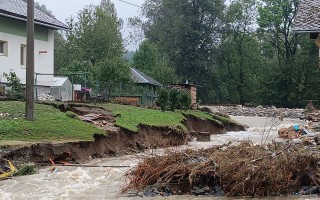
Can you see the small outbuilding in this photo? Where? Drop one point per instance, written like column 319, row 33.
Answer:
column 143, row 92
column 61, row 89
column 190, row 88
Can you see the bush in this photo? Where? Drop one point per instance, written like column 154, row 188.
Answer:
column 163, row 99
column 71, row 114
column 174, row 99
column 171, row 99
column 15, row 84
column 184, row 100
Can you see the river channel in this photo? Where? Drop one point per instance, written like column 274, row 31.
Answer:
column 77, row 183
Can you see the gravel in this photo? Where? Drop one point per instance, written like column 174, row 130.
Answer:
column 258, row 111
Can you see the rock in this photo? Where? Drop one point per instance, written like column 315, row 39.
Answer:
column 218, row 191
column 310, row 190
column 297, row 141
column 316, row 139
column 151, row 192
column 258, row 111
column 198, row 191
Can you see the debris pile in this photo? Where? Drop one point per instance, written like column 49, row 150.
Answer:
column 45, row 97
column 98, row 117
column 244, row 170
column 259, row 111
column 7, row 169
column 313, row 117
column 5, row 115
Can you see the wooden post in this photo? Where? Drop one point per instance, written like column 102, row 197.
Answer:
column 30, row 62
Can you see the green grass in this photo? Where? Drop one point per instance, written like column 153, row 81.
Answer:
column 131, row 116
column 50, row 125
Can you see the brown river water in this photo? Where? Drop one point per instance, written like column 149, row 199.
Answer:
column 77, row 183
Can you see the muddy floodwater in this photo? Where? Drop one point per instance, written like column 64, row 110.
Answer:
column 106, row 183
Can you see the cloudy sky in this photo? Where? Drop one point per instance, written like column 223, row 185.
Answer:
column 62, row 9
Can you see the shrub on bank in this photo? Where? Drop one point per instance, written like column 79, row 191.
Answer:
column 171, row 99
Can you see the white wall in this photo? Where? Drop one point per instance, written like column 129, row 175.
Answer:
column 44, row 63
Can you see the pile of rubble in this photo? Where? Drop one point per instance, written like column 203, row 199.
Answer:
column 259, row 111
column 45, row 97
column 5, row 115
column 98, row 117
column 243, row 170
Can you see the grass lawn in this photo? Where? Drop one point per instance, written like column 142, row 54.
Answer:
column 50, row 125
column 131, row 116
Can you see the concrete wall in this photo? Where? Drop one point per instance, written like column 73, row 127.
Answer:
column 13, row 32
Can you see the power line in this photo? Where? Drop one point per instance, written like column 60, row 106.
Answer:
column 130, row 3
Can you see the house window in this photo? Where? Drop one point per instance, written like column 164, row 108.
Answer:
column 23, row 55
column 3, row 48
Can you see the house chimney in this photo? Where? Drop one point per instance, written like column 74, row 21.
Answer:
column 187, row 81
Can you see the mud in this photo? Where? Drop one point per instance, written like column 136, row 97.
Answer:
column 117, row 143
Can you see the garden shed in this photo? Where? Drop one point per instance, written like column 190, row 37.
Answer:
column 143, row 92
column 61, row 89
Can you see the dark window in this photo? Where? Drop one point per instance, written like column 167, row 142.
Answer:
column 22, row 55
column 1, row 47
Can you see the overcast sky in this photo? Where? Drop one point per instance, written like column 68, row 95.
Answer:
column 62, row 9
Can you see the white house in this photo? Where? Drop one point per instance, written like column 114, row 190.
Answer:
column 13, row 17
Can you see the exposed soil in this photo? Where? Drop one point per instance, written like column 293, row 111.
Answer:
column 117, row 142
column 195, row 124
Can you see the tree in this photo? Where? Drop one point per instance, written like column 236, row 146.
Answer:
column 95, row 37
column 110, row 72
column 148, row 60
column 238, row 54
column 186, row 32
column 275, row 21
column 275, row 26
column 16, row 87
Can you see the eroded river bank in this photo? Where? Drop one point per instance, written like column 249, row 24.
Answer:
column 106, row 183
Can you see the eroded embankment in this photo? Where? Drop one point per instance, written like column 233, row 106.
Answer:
column 118, row 142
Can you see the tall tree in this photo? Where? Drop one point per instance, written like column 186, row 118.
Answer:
column 241, row 44
column 94, row 38
column 275, row 25
column 187, row 32
column 148, row 60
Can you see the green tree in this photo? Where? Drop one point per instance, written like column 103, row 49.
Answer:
column 148, row 60
column 16, row 87
column 111, row 72
column 95, row 37
column 282, row 82
column 186, row 32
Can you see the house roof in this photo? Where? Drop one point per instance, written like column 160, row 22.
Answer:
column 307, row 18
column 142, row 78
column 184, row 84
column 17, row 9
column 58, row 81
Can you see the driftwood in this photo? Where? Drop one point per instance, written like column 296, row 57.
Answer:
column 244, row 170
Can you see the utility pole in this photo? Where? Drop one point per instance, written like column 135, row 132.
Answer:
column 30, row 62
